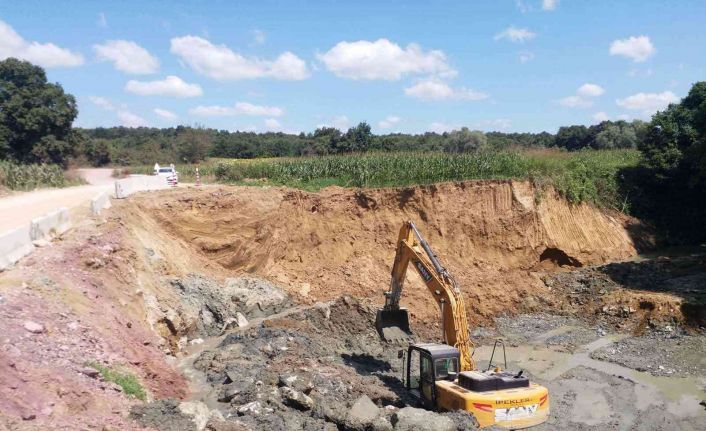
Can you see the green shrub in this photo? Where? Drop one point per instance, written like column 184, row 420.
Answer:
column 126, row 380
column 15, row 176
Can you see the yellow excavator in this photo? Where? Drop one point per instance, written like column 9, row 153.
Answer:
column 444, row 376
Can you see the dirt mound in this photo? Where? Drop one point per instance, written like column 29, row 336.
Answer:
column 493, row 236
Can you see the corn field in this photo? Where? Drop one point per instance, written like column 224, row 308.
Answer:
column 16, row 176
column 580, row 176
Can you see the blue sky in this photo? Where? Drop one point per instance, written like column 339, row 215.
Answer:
column 410, row 66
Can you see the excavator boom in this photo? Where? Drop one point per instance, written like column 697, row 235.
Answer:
column 392, row 322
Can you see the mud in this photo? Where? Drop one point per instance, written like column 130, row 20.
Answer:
column 589, row 394
column 661, row 292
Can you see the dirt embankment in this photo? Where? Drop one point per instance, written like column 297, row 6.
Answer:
column 497, row 238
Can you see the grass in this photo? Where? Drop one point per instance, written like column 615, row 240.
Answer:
column 126, row 380
column 583, row 176
column 16, row 176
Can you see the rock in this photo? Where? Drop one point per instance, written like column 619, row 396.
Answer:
column 223, row 425
column 287, row 380
column 34, row 327
column 381, row 424
column 414, row 419
column 252, row 408
column 362, row 414
column 72, row 326
column 196, row 341
column 241, row 320
column 199, row 412
column 29, row 416
column 233, row 389
column 296, row 399
column 90, row 372
column 182, row 343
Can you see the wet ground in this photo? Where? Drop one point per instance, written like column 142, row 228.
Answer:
column 588, row 393
column 308, row 368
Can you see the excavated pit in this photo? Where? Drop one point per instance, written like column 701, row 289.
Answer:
column 496, row 237
column 245, row 308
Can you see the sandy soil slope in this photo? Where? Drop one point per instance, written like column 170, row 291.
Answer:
column 496, row 237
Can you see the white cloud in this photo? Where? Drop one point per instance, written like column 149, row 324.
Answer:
column 102, row 20
column 389, row 122
column 582, row 97
column 435, row 89
column 127, row 56
column 259, row 36
column 575, row 102
column 246, row 108
column 522, row 6
column 221, row 63
column 172, row 86
column 383, row 59
column 128, row 119
column 601, row 116
column 272, row 124
column 526, row 56
column 240, row 108
column 340, row 122
column 102, row 102
column 167, row 115
column 590, row 90
column 43, row 54
column 648, row 103
column 438, row 127
column 495, row 124
column 637, row 48
column 516, row 35
column 550, row 4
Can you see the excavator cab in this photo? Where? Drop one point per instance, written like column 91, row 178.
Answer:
column 426, row 364
column 431, row 373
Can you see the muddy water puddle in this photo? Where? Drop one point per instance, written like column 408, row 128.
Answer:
column 594, row 392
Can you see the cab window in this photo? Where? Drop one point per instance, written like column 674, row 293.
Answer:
column 426, row 369
column 446, row 368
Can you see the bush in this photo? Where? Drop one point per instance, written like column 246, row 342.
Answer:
column 16, row 176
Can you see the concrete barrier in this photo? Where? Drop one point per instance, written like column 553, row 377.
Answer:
column 139, row 183
column 50, row 226
column 14, row 245
column 100, row 202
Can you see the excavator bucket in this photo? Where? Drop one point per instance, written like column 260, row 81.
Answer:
column 393, row 325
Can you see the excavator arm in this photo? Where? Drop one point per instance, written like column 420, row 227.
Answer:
column 391, row 320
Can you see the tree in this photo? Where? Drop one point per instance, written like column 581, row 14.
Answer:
column 193, row 144
column 35, row 116
column 572, row 137
column 673, row 177
column 465, row 140
column 356, row 139
column 615, row 135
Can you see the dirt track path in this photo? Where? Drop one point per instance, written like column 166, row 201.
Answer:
column 19, row 209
